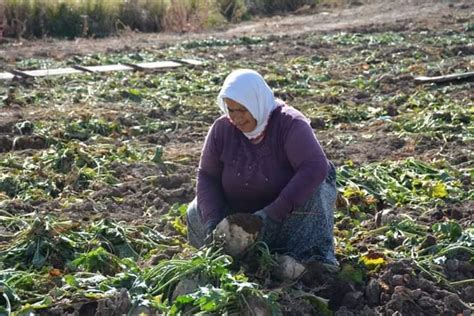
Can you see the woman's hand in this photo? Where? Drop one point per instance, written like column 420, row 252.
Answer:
column 269, row 225
column 210, row 226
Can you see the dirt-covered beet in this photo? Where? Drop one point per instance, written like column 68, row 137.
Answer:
column 288, row 268
column 249, row 223
column 238, row 232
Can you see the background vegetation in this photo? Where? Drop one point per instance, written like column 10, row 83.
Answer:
column 75, row 18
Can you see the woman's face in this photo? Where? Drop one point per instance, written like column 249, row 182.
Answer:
column 240, row 116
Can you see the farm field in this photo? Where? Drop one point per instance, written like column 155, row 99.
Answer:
column 96, row 170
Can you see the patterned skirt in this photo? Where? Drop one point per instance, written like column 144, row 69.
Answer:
column 307, row 234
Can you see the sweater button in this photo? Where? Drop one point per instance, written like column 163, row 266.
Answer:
column 238, row 174
column 266, row 179
column 246, row 184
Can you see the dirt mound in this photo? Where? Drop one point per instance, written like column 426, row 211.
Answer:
column 399, row 287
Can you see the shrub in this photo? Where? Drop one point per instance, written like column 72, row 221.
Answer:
column 145, row 15
column 63, row 21
column 276, row 6
column 72, row 18
column 233, row 10
column 188, row 15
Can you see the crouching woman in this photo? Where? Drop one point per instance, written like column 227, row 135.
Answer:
column 262, row 157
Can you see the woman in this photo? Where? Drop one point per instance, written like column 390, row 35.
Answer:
column 262, row 157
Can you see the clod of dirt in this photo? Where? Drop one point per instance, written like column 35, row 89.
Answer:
column 353, row 299
column 288, row 268
column 452, row 264
column 256, row 306
column 392, row 110
column 397, row 279
column 429, row 241
column 184, row 287
column 403, row 302
column 117, row 304
column 238, row 232
column 317, row 274
column 106, row 192
column 452, row 302
column 173, row 181
column 344, row 311
column 6, row 143
column 318, row 123
column 468, row 294
column 29, row 142
column 167, row 254
column 156, row 113
column 372, row 292
column 385, row 217
column 429, row 305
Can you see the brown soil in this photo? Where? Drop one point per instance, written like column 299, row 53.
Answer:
column 8, row 118
column 29, row 142
column 118, row 304
column 372, row 15
column 250, row 223
column 400, row 288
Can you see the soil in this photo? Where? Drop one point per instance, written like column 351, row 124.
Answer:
column 250, row 223
column 147, row 191
column 341, row 16
column 115, row 305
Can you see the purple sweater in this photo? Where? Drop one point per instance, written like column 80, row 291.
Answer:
column 278, row 174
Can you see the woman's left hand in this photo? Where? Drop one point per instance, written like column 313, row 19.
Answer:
column 269, row 226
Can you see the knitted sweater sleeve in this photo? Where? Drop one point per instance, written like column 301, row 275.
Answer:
column 210, row 195
column 310, row 164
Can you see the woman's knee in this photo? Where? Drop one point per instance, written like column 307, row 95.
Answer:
column 192, row 210
column 331, row 176
column 196, row 230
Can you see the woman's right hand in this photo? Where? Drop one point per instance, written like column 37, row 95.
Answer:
column 210, row 226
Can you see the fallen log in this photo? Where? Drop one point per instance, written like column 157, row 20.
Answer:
column 447, row 78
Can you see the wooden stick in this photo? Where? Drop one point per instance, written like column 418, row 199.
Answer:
column 446, row 78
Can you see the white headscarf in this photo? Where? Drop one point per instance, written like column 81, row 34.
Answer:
column 248, row 88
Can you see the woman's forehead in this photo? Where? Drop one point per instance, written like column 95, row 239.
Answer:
column 234, row 104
